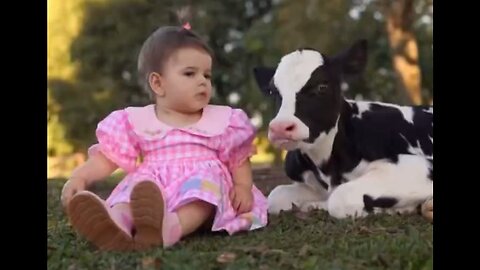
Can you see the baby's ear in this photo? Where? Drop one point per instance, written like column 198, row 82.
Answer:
column 155, row 83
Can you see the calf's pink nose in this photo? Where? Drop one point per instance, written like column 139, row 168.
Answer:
column 282, row 128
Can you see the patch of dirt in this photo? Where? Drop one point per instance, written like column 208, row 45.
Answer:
column 268, row 178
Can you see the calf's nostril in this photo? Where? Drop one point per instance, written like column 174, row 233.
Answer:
column 290, row 128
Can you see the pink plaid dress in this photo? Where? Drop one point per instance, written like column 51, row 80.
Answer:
column 188, row 164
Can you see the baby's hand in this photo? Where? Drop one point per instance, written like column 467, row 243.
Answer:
column 71, row 187
column 242, row 198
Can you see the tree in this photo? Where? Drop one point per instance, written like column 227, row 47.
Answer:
column 93, row 52
column 331, row 25
column 60, row 67
column 400, row 16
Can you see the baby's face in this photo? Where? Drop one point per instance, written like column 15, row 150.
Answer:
column 187, row 80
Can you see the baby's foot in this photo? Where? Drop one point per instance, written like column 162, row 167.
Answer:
column 91, row 218
column 148, row 207
column 154, row 225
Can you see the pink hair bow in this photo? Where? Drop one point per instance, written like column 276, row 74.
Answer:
column 187, row 26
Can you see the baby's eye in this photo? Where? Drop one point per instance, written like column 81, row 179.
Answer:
column 189, row 73
column 208, row 76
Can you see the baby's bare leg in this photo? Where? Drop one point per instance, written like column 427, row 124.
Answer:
column 122, row 214
column 193, row 215
column 187, row 219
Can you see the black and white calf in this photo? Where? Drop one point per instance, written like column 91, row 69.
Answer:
column 348, row 157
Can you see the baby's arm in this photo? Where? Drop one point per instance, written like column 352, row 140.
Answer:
column 242, row 175
column 241, row 195
column 96, row 168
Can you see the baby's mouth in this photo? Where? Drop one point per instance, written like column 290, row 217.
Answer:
column 201, row 95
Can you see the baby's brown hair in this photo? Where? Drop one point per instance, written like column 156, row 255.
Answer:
column 161, row 44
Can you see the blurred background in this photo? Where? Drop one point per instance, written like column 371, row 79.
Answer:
column 93, row 47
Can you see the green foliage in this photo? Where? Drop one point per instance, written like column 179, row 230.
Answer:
column 242, row 34
column 106, row 50
column 329, row 27
column 56, row 145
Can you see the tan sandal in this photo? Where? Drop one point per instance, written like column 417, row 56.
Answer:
column 147, row 205
column 90, row 217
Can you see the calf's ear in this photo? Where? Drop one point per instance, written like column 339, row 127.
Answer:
column 263, row 76
column 353, row 60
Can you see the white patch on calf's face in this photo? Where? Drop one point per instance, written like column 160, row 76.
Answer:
column 292, row 73
column 295, row 69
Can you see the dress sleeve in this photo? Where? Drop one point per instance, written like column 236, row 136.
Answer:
column 117, row 141
column 237, row 140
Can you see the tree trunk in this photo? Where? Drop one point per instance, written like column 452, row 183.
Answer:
column 404, row 48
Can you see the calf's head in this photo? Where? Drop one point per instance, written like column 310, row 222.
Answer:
column 306, row 88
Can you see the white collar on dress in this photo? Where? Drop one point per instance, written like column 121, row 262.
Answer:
column 214, row 121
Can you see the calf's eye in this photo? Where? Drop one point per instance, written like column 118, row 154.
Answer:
column 321, row 89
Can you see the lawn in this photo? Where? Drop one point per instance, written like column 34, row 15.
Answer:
column 291, row 241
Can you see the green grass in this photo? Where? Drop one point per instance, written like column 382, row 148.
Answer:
column 291, row 241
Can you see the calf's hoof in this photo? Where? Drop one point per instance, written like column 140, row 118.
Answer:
column 427, row 210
